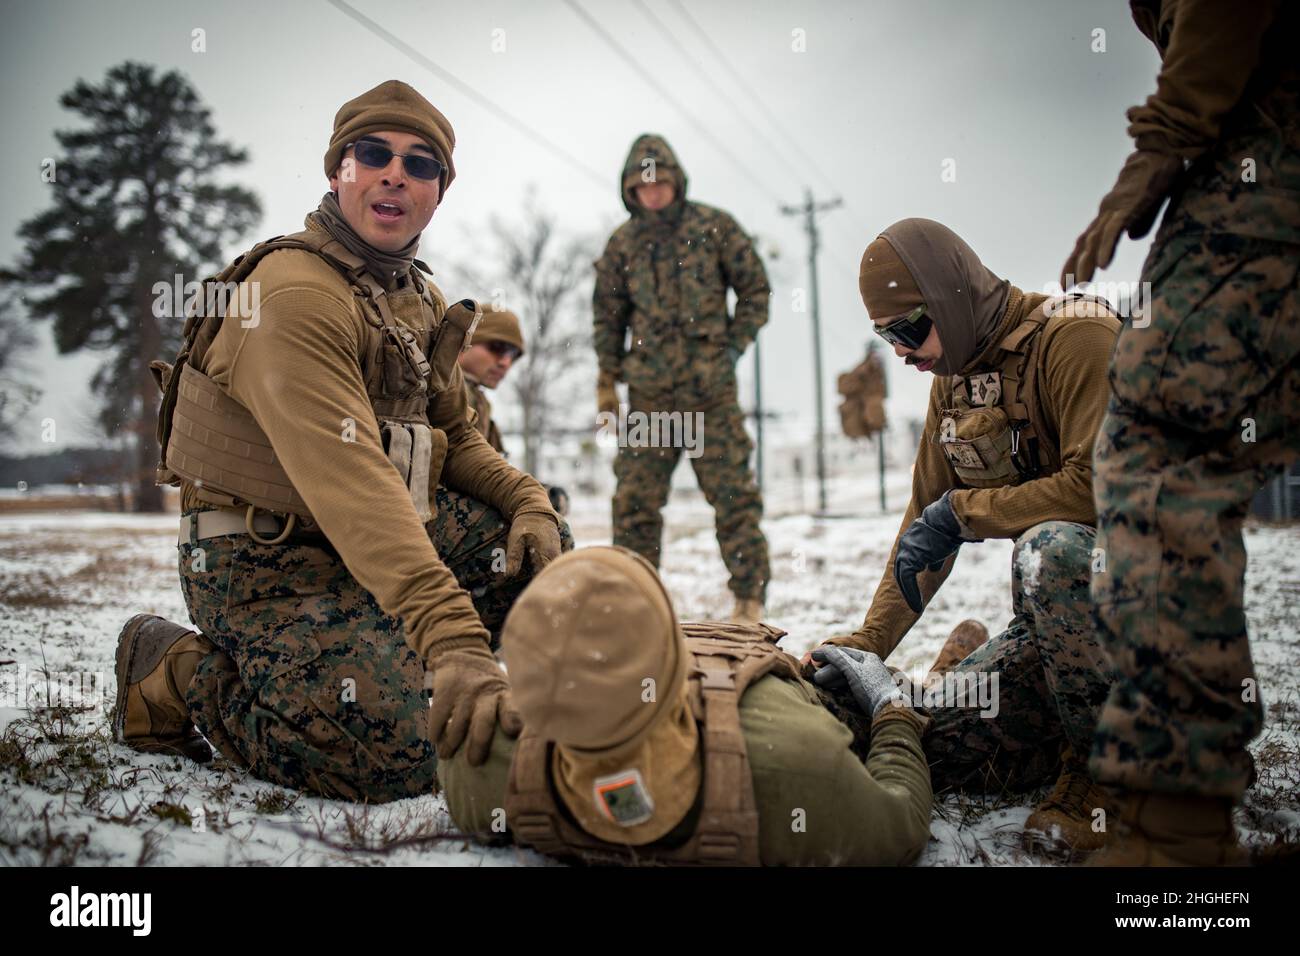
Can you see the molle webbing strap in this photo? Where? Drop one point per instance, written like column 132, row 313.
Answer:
column 727, row 832
column 532, row 813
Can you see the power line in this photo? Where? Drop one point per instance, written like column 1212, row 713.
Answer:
column 677, row 45
column 721, row 94
column 465, row 89
column 809, row 211
column 644, row 73
column 745, row 88
column 777, row 127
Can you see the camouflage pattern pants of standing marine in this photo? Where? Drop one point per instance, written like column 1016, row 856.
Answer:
column 645, row 473
column 311, row 685
column 1205, row 406
column 1051, row 677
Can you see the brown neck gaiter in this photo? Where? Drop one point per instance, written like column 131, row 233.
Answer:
column 387, row 267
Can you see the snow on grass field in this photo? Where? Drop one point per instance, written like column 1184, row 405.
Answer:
column 69, row 795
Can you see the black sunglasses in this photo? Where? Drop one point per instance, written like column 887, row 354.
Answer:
column 910, row 331
column 504, row 348
column 378, row 156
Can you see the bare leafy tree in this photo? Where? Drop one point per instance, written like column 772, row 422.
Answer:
column 544, row 277
column 134, row 201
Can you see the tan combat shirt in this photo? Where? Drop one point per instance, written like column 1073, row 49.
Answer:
column 298, row 372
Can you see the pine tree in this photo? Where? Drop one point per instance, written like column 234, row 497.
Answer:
column 135, row 202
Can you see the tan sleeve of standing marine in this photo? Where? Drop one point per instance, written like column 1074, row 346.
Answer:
column 1213, row 51
column 889, row 618
column 298, row 372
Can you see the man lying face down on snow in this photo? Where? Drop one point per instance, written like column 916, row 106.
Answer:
column 645, row 740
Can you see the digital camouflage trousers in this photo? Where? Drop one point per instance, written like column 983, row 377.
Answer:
column 644, row 474
column 312, row 685
column 1204, row 408
column 1002, row 716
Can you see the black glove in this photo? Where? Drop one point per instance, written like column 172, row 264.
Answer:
column 926, row 544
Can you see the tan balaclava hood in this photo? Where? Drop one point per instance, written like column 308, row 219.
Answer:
column 499, row 325
column 651, row 159
column 964, row 299
column 392, row 105
column 598, row 664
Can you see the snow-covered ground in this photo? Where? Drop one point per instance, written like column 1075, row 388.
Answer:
column 69, row 795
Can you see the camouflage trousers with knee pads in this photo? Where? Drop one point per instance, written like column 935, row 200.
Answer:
column 1002, row 716
column 311, row 685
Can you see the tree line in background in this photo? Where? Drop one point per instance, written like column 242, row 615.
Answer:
column 136, row 199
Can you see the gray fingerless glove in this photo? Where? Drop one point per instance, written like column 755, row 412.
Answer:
column 866, row 675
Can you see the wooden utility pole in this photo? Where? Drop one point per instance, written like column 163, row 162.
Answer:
column 809, row 211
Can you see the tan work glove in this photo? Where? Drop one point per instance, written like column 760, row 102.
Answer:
column 1132, row 204
column 471, row 698
column 535, row 533
column 606, row 394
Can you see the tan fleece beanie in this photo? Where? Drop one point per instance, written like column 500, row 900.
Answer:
column 392, row 105
column 887, row 288
column 597, row 664
column 499, row 325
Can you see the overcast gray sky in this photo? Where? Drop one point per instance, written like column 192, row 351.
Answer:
column 879, row 93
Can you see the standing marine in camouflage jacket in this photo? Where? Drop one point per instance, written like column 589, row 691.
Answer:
column 1205, row 406
column 1018, row 394
column 661, row 326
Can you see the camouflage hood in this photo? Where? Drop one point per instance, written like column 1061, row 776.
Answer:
column 649, row 160
column 965, row 299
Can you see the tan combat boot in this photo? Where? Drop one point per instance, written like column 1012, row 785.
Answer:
column 1062, row 825
column 1173, row 829
column 965, row 637
column 748, row 611
column 156, row 660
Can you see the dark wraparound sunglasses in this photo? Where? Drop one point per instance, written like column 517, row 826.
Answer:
column 504, row 348
column 378, row 156
column 910, row 331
